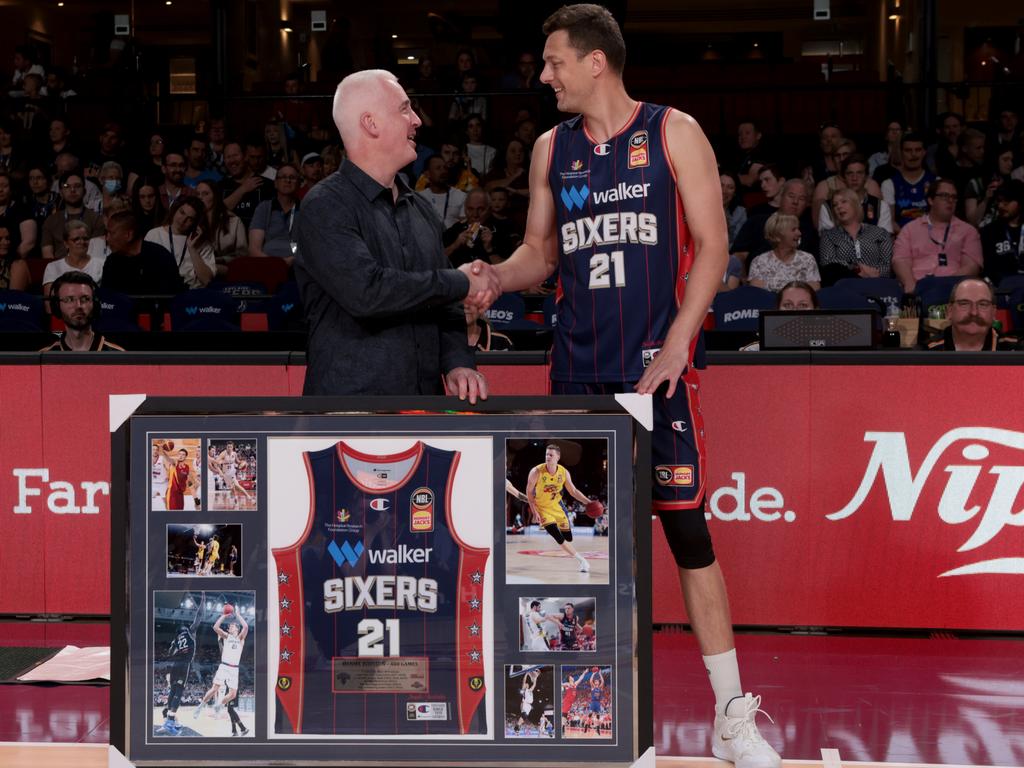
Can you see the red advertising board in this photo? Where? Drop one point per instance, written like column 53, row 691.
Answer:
column 884, row 496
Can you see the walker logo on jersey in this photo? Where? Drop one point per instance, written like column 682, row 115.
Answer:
column 621, row 192
column 575, row 198
column 576, row 165
column 15, row 307
column 284, row 683
column 602, row 149
column 891, row 460
column 638, row 154
column 674, row 475
column 426, row 710
column 421, row 511
column 380, row 504
column 346, row 553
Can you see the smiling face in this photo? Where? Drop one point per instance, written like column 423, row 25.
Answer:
column 568, row 73
column 398, row 124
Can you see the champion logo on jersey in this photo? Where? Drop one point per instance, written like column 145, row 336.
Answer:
column 574, row 197
column 421, row 511
column 639, row 157
column 380, row 504
column 602, row 149
column 679, row 426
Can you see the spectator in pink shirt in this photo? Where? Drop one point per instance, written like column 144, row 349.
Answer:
column 937, row 244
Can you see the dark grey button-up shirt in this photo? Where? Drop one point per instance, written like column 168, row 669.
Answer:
column 380, row 296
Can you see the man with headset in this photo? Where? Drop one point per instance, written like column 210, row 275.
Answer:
column 73, row 300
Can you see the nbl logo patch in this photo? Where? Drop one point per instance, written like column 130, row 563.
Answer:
column 674, row 475
column 421, row 511
column 639, row 157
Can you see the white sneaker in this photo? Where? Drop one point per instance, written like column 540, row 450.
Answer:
column 737, row 739
column 584, row 565
column 196, row 711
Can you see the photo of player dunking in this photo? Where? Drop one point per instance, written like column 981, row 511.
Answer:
column 556, row 542
column 203, row 549
column 557, row 624
column 178, row 481
column 586, row 702
column 637, row 274
column 203, row 670
column 231, row 474
column 529, row 701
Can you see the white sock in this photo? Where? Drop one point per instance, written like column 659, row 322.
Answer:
column 581, row 558
column 724, row 671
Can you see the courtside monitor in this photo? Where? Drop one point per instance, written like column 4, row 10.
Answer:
column 817, row 329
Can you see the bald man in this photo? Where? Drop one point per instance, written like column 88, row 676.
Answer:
column 382, row 301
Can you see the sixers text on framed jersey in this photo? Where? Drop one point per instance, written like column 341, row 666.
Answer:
column 380, row 603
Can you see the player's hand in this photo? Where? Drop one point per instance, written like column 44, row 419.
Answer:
column 468, row 383
column 667, row 366
column 484, row 284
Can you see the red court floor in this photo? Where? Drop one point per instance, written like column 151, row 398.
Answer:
column 876, row 699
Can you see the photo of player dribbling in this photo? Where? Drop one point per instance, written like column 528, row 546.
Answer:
column 586, row 702
column 557, row 624
column 529, row 702
column 176, row 466
column 203, row 671
column 231, row 474
column 204, row 550
column 557, row 515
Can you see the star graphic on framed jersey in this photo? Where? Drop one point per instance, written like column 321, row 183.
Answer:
column 282, row 578
column 286, row 604
column 286, row 630
column 474, row 604
column 379, row 613
column 286, row 655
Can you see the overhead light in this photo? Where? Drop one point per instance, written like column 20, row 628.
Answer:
column 286, row 26
column 410, row 58
column 894, row 17
column 394, row 37
column 167, row 2
column 60, row 5
column 757, row 45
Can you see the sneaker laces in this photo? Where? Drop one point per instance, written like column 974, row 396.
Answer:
column 742, row 726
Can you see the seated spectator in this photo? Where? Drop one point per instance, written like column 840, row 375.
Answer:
column 905, row 189
column 979, row 209
column 136, row 266
column 771, row 181
column 297, row 116
column 941, row 157
column 72, row 192
column 507, row 233
column 799, row 296
column 41, row 200
column 875, row 210
column 1001, row 243
column 60, row 141
column 526, row 132
column 17, row 218
column 58, row 90
column 446, row 200
column 971, row 311
column 195, row 158
column 256, row 158
column 825, row 188
column 146, row 203
column 750, row 155
column 514, row 176
column 751, row 239
column 98, row 248
column 471, row 238
column 481, row 156
column 243, row 188
column 110, row 148
column 66, row 163
column 274, row 220
column 1007, row 131
column 226, row 232
column 24, row 64
column 173, row 185
column 824, row 163
column 733, row 275
column 783, row 263
column 152, row 165
column 457, row 172
column 468, row 102
column 853, row 249
column 969, row 174
column 735, row 214
column 12, row 159
column 480, row 335
column 77, row 259
column 526, row 77
column 882, row 164
column 938, row 243
column 74, row 297
column 14, row 274
column 186, row 238
column 312, row 172
column 331, row 157
column 111, row 178
column 32, row 110
column 276, row 143
column 215, row 138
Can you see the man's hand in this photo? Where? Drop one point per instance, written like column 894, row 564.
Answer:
column 484, row 284
column 668, row 365
column 250, row 184
column 468, row 383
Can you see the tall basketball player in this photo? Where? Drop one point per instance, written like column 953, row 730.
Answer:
column 228, row 463
column 200, row 554
column 544, row 490
column 182, row 480
column 158, row 484
column 214, row 556
column 181, row 652
column 534, row 638
column 625, row 201
column 232, row 642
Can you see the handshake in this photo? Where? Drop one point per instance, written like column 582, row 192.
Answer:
column 484, row 284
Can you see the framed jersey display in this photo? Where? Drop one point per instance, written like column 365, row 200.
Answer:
column 374, row 583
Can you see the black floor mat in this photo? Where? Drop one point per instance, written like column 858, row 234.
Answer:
column 18, row 660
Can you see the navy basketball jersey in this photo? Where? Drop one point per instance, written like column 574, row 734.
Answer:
column 380, row 604
column 568, row 629
column 624, row 248
column 183, row 647
column 910, row 199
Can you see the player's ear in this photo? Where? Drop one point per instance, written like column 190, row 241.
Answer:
column 598, row 62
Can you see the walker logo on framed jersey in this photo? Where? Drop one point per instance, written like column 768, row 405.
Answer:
column 377, row 615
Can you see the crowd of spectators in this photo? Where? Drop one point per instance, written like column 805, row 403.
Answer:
column 166, row 210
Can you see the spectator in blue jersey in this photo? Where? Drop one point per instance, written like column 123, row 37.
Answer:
column 196, row 157
column 1002, row 242
column 905, row 190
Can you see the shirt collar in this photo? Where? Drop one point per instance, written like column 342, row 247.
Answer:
column 368, row 186
column 990, row 343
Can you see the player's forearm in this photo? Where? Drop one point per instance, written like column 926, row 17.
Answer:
column 526, row 267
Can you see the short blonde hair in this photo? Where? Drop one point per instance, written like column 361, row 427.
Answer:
column 845, row 193
column 777, row 224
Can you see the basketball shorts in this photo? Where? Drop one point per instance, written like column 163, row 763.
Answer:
column 677, row 442
column 159, row 500
column 556, row 515
column 227, row 677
